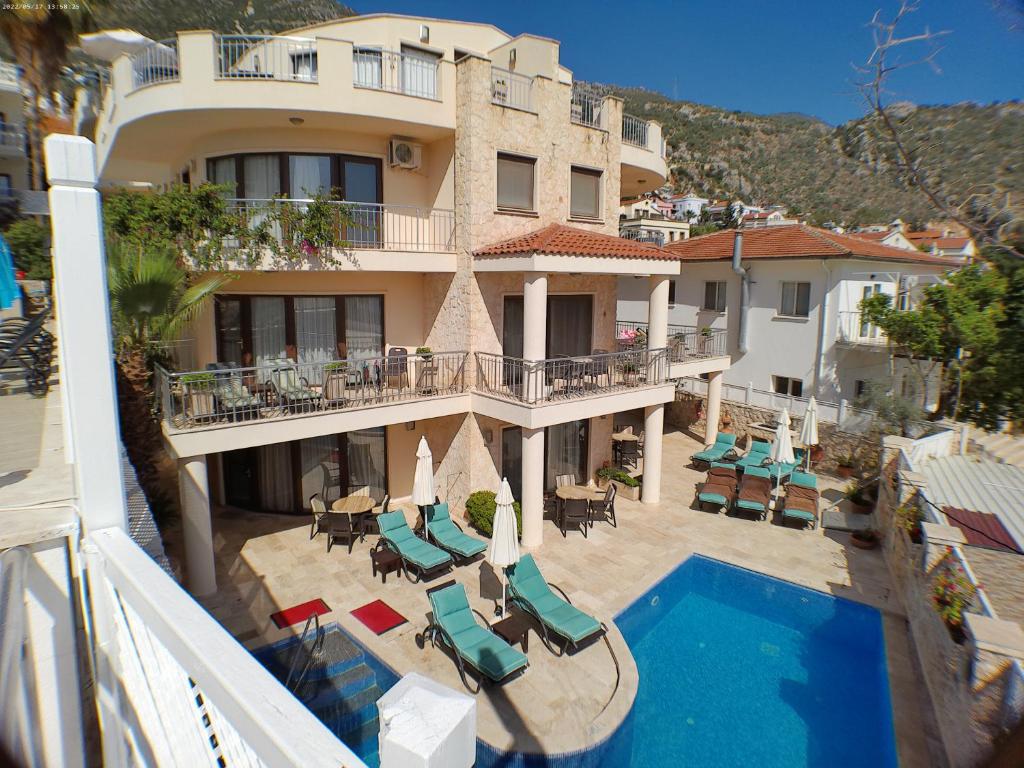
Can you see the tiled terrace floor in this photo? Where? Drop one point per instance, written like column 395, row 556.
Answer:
column 268, row 562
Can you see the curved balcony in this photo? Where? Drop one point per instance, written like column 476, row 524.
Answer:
column 644, row 167
column 174, row 91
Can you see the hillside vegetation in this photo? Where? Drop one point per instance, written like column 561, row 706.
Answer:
column 844, row 174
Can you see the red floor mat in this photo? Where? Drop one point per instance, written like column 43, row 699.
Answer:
column 298, row 613
column 379, row 616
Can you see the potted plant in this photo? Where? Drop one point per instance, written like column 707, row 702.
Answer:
column 198, row 388
column 845, row 465
column 601, row 475
column 854, row 493
column 817, row 453
column 865, row 539
column 425, row 353
column 908, row 516
column 952, row 593
column 628, row 486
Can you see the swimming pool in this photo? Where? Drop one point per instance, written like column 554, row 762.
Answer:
column 739, row 669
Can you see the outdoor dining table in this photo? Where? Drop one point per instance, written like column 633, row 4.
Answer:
column 359, row 508
column 579, row 492
column 625, row 436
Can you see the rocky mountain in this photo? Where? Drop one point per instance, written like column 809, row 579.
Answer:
column 162, row 18
column 845, row 174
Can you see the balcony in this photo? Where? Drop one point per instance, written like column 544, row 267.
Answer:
column 154, row 64
column 509, row 89
column 634, row 132
column 691, row 351
column 396, row 72
column 643, row 235
column 12, row 140
column 226, row 406
column 361, row 226
column 10, row 76
column 643, row 156
column 853, row 331
column 266, row 57
column 587, row 107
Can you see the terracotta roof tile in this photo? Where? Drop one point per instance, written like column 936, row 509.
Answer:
column 952, row 242
column 872, row 235
column 562, row 240
column 796, row 241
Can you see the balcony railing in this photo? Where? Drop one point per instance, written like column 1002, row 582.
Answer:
column 685, row 342
column 509, row 89
column 383, row 226
column 156, row 63
column 397, row 72
column 643, row 235
column 12, row 137
column 854, row 330
column 586, row 107
column 634, row 131
column 534, row 382
column 9, row 74
column 280, row 389
column 266, row 57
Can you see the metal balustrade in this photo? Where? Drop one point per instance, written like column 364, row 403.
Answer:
column 854, row 330
column 280, row 389
column 266, row 57
column 634, row 131
column 685, row 342
column 409, row 74
column 643, row 235
column 384, row 226
column 12, row 136
column 567, row 378
column 509, row 89
column 156, row 63
column 586, row 107
column 10, row 74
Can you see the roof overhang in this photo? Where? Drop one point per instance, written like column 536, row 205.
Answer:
column 590, row 265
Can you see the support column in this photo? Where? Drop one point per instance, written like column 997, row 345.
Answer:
column 194, row 490
column 654, row 426
column 533, row 487
column 535, row 323
column 713, row 411
column 657, row 312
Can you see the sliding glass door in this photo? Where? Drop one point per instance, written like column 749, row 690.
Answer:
column 566, row 449
column 569, row 330
column 268, row 329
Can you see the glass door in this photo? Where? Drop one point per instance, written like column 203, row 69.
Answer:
column 566, row 448
column 361, row 186
column 240, row 486
column 316, row 335
column 512, row 459
column 419, row 72
column 268, row 330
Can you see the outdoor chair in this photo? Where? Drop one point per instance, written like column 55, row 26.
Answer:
column 801, row 503
column 396, row 368
column 755, row 492
column 600, row 366
column 575, row 513
column 719, row 488
column 234, row 399
column 563, row 480
column 781, row 472
column 448, row 535
column 337, row 525
column 452, row 624
column 629, row 453
column 724, row 442
column 417, row 555
column 292, row 391
column 370, row 525
column 605, row 508
column 319, row 510
column 759, row 453
column 555, row 614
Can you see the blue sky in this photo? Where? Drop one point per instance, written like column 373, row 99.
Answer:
column 758, row 56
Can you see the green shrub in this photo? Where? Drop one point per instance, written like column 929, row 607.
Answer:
column 29, row 241
column 480, row 506
column 619, row 475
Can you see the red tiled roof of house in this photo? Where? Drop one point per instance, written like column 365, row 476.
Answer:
column 757, row 216
column 562, row 240
column 924, row 235
column 795, row 241
column 982, row 529
column 872, row 235
column 952, row 242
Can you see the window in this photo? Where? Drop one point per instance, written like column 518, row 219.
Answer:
column 585, row 193
column 784, row 385
column 796, row 300
column 714, row 295
column 860, row 388
column 671, row 291
column 515, row 182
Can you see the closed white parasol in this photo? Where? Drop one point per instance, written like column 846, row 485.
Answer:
column 782, row 448
column 503, row 550
column 423, row 483
column 809, row 430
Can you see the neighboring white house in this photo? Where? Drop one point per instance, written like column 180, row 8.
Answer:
column 803, row 334
column 688, row 206
column 773, row 218
column 891, row 237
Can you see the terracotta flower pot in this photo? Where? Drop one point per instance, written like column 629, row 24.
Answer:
column 863, row 543
column 844, row 471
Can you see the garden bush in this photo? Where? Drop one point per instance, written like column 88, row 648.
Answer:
column 480, row 507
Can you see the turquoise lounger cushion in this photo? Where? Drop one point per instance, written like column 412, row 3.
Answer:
column 713, row 498
column 758, row 472
column 752, row 506
column 565, row 619
column 759, row 451
column 445, row 533
column 723, row 444
column 395, row 529
column 481, row 648
column 800, row 514
column 803, row 479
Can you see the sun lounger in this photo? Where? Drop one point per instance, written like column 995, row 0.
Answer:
column 759, row 453
column 447, row 534
column 724, row 442
column 719, row 488
column 292, row 390
column 234, row 399
column 454, row 625
column 802, row 497
column 420, row 556
column 556, row 615
column 755, row 491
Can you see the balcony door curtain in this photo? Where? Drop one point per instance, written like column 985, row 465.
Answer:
column 366, row 456
column 308, row 175
column 566, row 449
column 277, row 489
column 316, row 335
column 570, row 324
column 368, row 64
column 268, row 331
column 419, row 72
column 364, row 327
column 262, row 174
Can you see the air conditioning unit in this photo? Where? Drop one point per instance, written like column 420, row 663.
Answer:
column 404, row 154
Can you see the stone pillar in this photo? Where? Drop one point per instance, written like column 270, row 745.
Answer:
column 714, row 407
column 995, row 643
column 535, row 324
column 937, row 541
column 533, row 487
column 194, row 489
column 654, row 424
column 657, row 312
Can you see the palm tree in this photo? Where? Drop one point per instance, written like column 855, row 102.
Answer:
column 40, row 40
column 152, row 300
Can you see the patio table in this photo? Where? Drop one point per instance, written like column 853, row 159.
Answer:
column 359, row 508
column 579, row 492
column 625, row 436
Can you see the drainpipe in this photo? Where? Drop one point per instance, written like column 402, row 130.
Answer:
column 819, row 369
column 737, row 267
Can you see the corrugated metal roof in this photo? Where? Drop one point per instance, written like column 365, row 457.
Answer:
column 982, row 529
column 981, row 485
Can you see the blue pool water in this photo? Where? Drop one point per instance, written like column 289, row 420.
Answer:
column 739, row 669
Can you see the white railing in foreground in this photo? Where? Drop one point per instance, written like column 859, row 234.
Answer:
column 509, row 89
column 634, row 131
column 156, row 63
column 18, row 732
column 853, row 330
column 266, row 57
column 410, row 74
column 176, row 688
column 10, row 74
